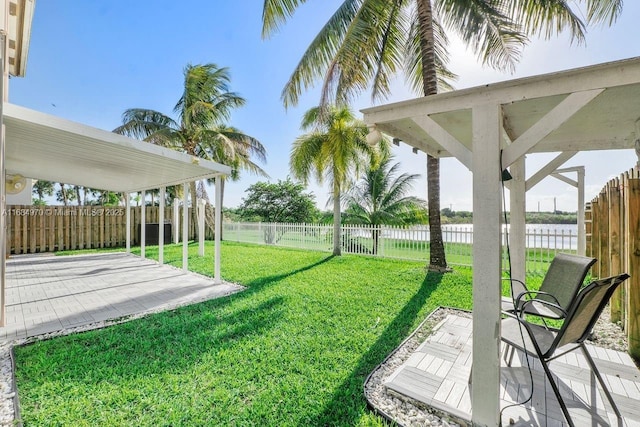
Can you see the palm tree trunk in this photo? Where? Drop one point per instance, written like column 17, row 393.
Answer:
column 63, row 191
column 437, row 258
column 337, row 238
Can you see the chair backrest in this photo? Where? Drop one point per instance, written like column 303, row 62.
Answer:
column 585, row 310
column 564, row 278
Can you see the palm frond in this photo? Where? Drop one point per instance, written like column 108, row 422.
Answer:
column 546, row 18
column 141, row 123
column 487, row 28
column 275, row 13
column 305, row 158
column 320, row 53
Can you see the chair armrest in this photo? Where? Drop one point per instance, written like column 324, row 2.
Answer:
column 513, row 297
column 520, row 311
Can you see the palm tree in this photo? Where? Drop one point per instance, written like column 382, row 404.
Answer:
column 381, row 198
column 334, row 148
column 200, row 129
column 366, row 42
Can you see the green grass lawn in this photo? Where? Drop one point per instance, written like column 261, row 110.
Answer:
column 293, row 349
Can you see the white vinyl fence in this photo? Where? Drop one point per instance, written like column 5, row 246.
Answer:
column 410, row 243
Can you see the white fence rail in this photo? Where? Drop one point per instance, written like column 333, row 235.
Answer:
column 397, row 242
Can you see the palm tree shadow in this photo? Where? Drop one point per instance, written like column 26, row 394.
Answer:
column 336, row 412
column 257, row 284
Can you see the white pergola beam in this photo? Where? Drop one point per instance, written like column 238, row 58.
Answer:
column 606, row 75
column 445, row 139
column 566, row 179
column 407, row 138
column 485, row 380
column 127, row 204
column 549, row 168
column 547, row 124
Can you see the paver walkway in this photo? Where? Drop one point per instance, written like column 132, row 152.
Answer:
column 47, row 293
column 437, row 374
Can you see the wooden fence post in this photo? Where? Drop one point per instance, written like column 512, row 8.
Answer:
column 615, row 265
column 632, row 206
column 595, row 236
column 603, row 257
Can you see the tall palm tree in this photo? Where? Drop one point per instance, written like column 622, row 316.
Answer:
column 382, row 198
column 200, row 129
column 333, row 149
column 366, row 42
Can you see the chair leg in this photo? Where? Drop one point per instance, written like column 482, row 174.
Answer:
column 594, row 369
column 556, row 391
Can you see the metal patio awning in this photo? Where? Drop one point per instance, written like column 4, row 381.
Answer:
column 42, row 146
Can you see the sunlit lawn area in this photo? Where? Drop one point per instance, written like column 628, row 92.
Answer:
column 293, row 349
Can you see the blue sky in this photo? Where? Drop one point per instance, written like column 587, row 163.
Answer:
column 89, row 61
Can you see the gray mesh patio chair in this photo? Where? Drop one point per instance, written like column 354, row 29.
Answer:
column 543, row 343
column 559, row 287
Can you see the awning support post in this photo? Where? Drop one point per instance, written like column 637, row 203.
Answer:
column 217, row 228
column 201, row 211
column 127, row 213
column 163, row 190
column 176, row 220
column 185, row 227
column 143, row 223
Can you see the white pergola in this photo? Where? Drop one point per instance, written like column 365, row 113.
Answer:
column 492, row 127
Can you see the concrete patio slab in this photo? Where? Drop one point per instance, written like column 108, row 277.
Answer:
column 47, row 293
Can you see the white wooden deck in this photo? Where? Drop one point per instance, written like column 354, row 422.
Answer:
column 437, row 374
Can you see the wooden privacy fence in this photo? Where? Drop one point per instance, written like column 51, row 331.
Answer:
column 613, row 237
column 32, row 229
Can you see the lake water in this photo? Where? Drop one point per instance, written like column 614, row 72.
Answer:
column 555, row 236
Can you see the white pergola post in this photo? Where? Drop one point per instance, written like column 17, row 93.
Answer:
column 582, row 232
column 176, row 221
column 185, row 227
column 217, row 229
column 485, row 381
column 201, row 207
column 127, row 213
column 163, row 190
column 517, row 228
column 579, row 184
column 143, row 223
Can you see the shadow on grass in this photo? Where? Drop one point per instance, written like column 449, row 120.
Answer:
column 259, row 283
column 174, row 339
column 336, row 412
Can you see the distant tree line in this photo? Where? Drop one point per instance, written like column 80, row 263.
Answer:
column 558, row 217
column 76, row 195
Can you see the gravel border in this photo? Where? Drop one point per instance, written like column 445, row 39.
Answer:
column 395, row 408
column 405, row 411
